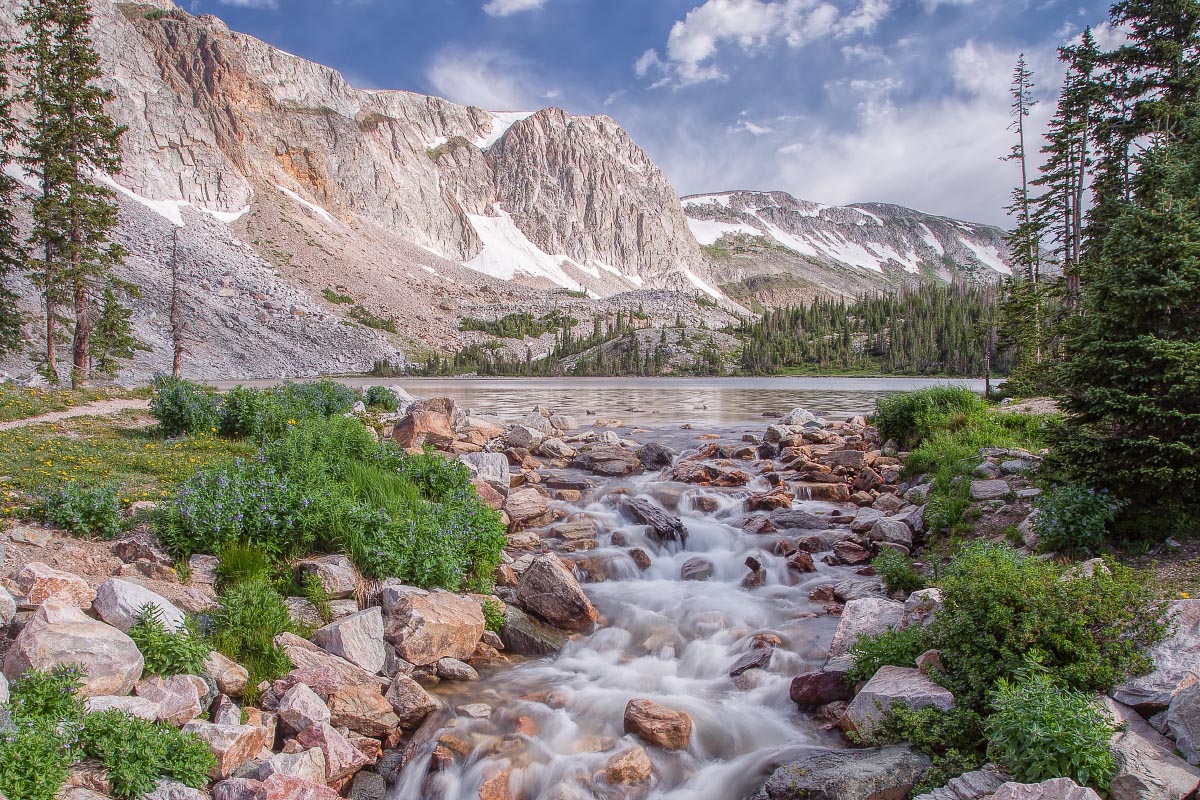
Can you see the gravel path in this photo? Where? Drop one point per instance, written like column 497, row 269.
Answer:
column 100, row 408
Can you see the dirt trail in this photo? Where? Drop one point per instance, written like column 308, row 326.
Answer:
column 100, row 408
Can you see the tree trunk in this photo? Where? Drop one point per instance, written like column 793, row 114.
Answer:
column 176, row 321
column 81, row 345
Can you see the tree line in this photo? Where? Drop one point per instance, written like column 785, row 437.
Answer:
column 1105, row 313
column 63, row 148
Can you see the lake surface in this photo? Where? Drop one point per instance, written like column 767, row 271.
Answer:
column 720, row 401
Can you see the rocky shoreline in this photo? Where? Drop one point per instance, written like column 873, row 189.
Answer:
column 366, row 697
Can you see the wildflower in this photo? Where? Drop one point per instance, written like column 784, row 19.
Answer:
column 1184, row 595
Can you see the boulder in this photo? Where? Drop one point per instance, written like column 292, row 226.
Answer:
column 658, row 725
column 525, row 636
column 1176, row 662
column 428, row 422
column 974, row 785
column 850, row 459
column 851, row 553
column 525, row 505
column 301, row 707
column 452, row 669
column 798, row 416
column 886, row 773
column 138, row 707
column 362, row 711
column 368, row 786
column 231, row 745
column 1183, row 721
column 341, row 757
column 287, row 787
column 410, row 702
column 229, row 676
column 891, row 685
column 794, row 519
column 663, row 526
column 37, row 582
column 607, row 459
column 335, row 671
column 556, row 448
column 861, row 617
column 865, row 519
column 550, row 591
column 820, row 687
column 60, row 633
column 8, row 608
column 524, row 437
column 696, row 568
column 120, row 602
column 173, row 790
column 564, row 422
column 427, row 626
column 493, row 468
column 891, row 531
column 1147, row 766
column 357, row 638
column 336, row 573
column 237, row 789
column 857, row 589
column 308, row 765
column 921, row 607
column 989, row 490
column 178, row 697
column 629, row 766
column 655, row 456
column 1054, row 789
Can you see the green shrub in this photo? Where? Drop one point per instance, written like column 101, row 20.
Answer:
column 35, row 761
column 167, row 652
column 39, row 697
column 953, row 740
column 908, row 416
column 243, row 411
column 137, row 753
column 94, row 511
column 896, row 571
column 898, row 648
column 493, row 615
column 336, row 298
column 250, row 615
column 999, row 606
column 1040, row 730
column 239, row 563
column 1074, row 519
column 315, row 593
column 181, row 406
column 381, row 397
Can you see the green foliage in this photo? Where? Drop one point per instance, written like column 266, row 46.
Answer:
column 896, row 648
column 953, row 740
column 94, row 511
column 336, row 298
column 265, row 414
column 167, row 652
column 315, row 593
column 137, row 753
column 908, row 417
column 113, row 339
column 493, row 615
column 520, row 326
column 34, row 762
column 896, row 571
column 364, row 316
column 1073, row 518
column 181, row 406
column 47, row 698
column 251, row 614
column 999, row 606
column 1040, row 730
column 381, row 397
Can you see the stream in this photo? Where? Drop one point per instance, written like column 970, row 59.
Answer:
column 552, row 724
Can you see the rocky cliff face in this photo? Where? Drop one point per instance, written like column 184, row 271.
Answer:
column 775, row 249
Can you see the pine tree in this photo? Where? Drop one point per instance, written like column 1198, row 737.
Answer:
column 69, row 139
column 1133, row 382
column 113, row 340
column 12, row 255
column 1024, row 240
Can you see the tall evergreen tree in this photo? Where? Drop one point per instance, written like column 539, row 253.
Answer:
column 1024, row 240
column 1133, row 382
column 12, row 254
column 70, row 139
column 113, row 340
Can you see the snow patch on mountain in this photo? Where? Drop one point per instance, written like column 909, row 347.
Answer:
column 507, row 252
column 709, row 231
column 313, row 207
column 501, row 122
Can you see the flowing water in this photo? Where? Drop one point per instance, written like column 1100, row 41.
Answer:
column 555, row 722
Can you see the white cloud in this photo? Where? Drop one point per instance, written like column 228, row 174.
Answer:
column 752, row 25
column 504, row 8
column 932, row 5
column 491, row 79
column 747, row 126
column 863, row 54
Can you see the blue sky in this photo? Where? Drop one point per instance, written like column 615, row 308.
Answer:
column 837, row 101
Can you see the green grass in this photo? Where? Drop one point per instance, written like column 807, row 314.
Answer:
column 18, row 403
column 337, row 299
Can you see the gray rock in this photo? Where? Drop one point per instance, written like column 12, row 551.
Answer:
column 1054, row 789
column 797, row 416
column 8, row 608
column 368, row 786
column 886, row 773
column 3, row 689
column 301, row 707
column 173, row 790
column 556, row 448
column 335, row 572
column 549, row 591
column 696, row 568
column 794, row 519
column 1176, row 660
column 892, row 531
column 608, row 459
column 1018, row 465
column 410, row 701
column 655, row 455
column 989, row 490
column 1029, row 535
column 891, row 685
column 525, row 505
column 921, row 607
column 139, row 707
column 865, row 519
column 452, row 669
column 862, row 617
column 357, row 638
column 1183, row 721
column 525, row 636
column 119, row 602
column 987, row 471
column 491, row 467
column 524, row 437
column 973, row 785
column 858, row 589
column 1147, row 766
column 308, row 765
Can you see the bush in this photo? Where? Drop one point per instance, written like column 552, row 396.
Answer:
column 908, row 416
column 267, row 414
column 83, row 511
column 898, row 648
column 184, row 407
column 34, row 762
column 250, row 616
column 47, row 697
column 239, row 563
column 999, row 606
column 953, row 740
column 167, row 652
column 1074, row 519
column 1040, row 730
column 242, row 412
column 315, row 593
column 137, row 753
column 896, row 571
column 493, row 616
column 381, row 397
